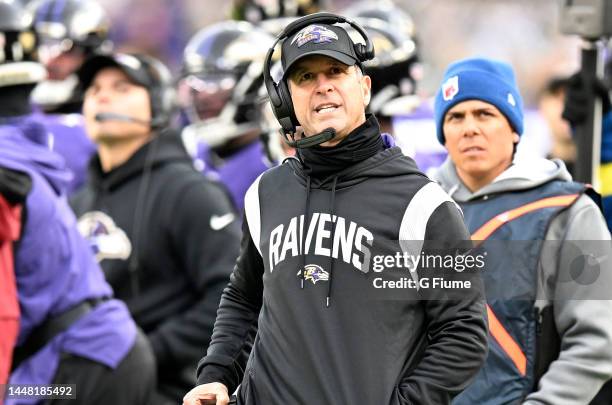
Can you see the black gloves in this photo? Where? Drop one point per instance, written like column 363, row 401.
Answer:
column 577, row 96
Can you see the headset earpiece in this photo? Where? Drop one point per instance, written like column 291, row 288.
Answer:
column 162, row 93
column 289, row 113
column 280, row 98
column 271, row 87
column 363, row 53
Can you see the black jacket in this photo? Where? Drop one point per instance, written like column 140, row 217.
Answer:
column 150, row 222
column 346, row 343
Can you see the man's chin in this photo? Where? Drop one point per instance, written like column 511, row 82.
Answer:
column 322, row 127
column 476, row 170
column 112, row 137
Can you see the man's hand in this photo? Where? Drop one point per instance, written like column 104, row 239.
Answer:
column 207, row 394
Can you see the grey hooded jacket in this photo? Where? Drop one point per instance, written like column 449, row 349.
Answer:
column 584, row 322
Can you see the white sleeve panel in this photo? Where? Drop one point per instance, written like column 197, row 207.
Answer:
column 253, row 212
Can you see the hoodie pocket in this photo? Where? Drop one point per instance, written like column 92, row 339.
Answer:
column 398, row 399
column 245, row 394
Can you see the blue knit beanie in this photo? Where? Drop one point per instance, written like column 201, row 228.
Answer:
column 479, row 79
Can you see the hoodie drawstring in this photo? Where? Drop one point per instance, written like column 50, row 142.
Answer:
column 139, row 212
column 331, row 259
column 306, row 222
column 333, row 231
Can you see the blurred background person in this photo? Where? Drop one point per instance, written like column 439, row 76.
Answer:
column 550, row 106
column 166, row 237
column 69, row 32
column 396, row 71
column 256, row 11
column 575, row 111
column 71, row 330
column 220, row 98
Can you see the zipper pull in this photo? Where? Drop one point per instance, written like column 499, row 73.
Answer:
column 538, row 321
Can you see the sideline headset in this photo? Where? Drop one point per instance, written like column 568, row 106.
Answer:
column 161, row 93
column 280, row 98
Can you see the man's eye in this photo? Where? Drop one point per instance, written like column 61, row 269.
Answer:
column 91, row 91
column 453, row 117
column 122, row 87
column 305, row 77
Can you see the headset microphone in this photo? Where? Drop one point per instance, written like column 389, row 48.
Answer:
column 110, row 116
column 306, row 142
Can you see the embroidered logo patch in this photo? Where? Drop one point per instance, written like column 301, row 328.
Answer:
column 450, row 88
column 511, row 100
column 314, row 273
column 314, row 33
column 106, row 239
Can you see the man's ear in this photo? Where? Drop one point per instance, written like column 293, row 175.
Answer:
column 366, row 86
column 515, row 137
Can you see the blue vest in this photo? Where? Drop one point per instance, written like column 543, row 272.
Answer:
column 510, row 228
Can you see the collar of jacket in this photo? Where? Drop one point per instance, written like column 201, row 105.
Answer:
column 160, row 150
column 362, row 143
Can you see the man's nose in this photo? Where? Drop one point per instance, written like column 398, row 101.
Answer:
column 470, row 126
column 324, row 85
column 102, row 96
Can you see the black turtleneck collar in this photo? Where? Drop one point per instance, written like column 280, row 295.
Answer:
column 363, row 142
column 15, row 100
column 161, row 149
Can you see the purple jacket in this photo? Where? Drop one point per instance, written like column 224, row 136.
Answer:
column 70, row 141
column 54, row 267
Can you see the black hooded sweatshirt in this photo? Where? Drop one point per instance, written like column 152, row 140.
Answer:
column 325, row 334
column 167, row 239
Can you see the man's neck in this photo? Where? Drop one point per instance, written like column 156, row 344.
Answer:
column 475, row 183
column 115, row 153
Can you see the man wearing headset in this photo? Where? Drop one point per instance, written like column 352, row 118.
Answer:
column 165, row 236
column 318, row 218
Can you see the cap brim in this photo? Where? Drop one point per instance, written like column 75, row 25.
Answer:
column 90, row 68
column 339, row 56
